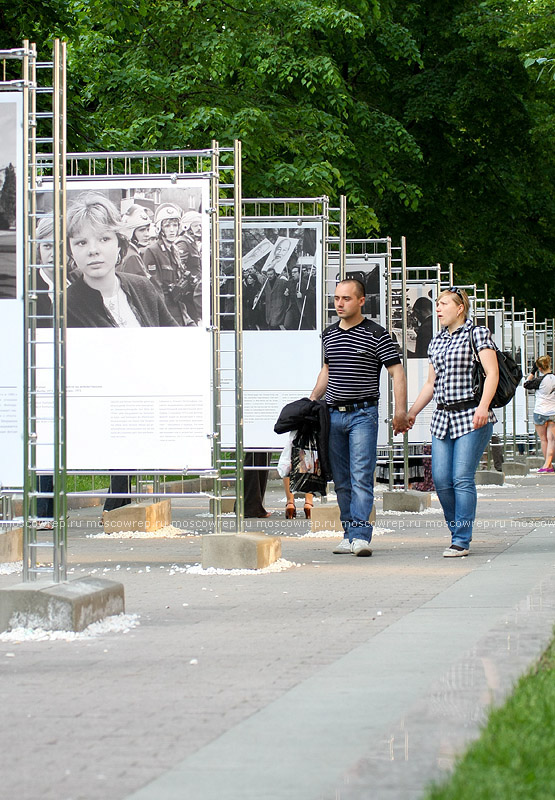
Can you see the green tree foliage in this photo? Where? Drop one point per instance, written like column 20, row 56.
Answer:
column 423, row 113
column 292, row 80
column 487, row 175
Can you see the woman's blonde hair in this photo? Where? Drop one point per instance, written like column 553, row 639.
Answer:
column 459, row 295
column 544, row 363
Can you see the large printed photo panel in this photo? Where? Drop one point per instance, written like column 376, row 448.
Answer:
column 370, row 270
column 279, row 276
column 282, row 321
column 11, row 288
column 138, row 314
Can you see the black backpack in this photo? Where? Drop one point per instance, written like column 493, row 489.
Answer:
column 510, row 375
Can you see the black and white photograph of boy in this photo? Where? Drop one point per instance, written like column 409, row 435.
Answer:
column 134, row 257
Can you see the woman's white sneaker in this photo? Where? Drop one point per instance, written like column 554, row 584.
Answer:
column 343, row 547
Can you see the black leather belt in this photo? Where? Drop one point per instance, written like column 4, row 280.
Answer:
column 461, row 406
column 355, row 405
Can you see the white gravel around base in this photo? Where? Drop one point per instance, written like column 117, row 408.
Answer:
column 121, row 623
column 167, row 532
column 196, row 569
column 11, row 567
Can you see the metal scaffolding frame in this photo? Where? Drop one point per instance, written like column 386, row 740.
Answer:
column 221, row 166
column 42, row 85
column 270, row 211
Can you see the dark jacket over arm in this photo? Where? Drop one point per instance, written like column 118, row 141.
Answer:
column 308, row 416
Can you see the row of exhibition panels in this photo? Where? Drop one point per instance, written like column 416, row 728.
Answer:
column 142, row 399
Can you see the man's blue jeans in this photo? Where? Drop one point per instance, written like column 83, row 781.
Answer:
column 454, row 464
column 352, row 448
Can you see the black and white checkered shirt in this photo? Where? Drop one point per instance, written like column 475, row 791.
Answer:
column 451, row 357
column 355, row 357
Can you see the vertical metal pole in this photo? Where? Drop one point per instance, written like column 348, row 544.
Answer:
column 59, row 308
column 526, row 364
column 503, row 347
column 216, row 339
column 342, row 236
column 29, row 387
column 325, row 259
column 239, row 451
column 486, row 309
column 389, row 326
column 404, row 353
column 513, row 353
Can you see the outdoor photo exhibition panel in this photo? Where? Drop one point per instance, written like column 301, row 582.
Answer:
column 372, row 272
column 138, row 342
column 11, row 288
column 517, row 424
column 421, row 326
column 282, row 321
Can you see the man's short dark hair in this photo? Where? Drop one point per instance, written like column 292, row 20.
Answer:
column 361, row 288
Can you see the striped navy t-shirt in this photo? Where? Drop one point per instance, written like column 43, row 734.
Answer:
column 354, row 358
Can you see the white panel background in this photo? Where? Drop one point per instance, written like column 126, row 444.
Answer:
column 278, row 366
column 137, row 398
column 11, row 310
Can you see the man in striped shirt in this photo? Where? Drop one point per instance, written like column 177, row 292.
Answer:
column 355, row 348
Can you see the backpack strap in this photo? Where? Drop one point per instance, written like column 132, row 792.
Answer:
column 473, row 344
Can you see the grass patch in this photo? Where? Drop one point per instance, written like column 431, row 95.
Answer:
column 514, row 758
column 86, row 483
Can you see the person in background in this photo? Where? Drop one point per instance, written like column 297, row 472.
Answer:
column 135, row 226
column 189, row 246
column 542, row 381
column 275, row 299
column 290, row 508
column 163, row 262
column 461, row 424
column 254, row 484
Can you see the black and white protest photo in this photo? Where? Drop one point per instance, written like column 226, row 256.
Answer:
column 279, row 278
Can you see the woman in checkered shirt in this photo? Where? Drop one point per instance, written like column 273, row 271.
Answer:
column 461, row 424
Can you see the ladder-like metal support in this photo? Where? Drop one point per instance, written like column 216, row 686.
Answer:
column 45, row 369
column 42, row 85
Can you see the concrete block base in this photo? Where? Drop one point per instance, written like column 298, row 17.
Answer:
column 406, row 501
column 485, row 477
column 515, row 468
column 228, row 505
column 67, row 606
column 326, row 518
column 11, row 545
column 138, row 517
column 534, row 462
column 239, row 550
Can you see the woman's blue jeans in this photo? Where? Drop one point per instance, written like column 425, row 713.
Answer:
column 454, row 464
column 352, row 449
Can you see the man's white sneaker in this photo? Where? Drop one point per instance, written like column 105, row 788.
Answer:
column 343, row 547
column 455, row 551
column 360, row 547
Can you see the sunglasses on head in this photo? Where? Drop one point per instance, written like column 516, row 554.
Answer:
column 455, row 290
